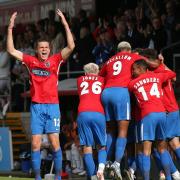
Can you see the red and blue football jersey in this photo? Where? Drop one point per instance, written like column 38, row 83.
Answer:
column 117, row 70
column 169, row 98
column 148, row 91
column 89, row 89
column 44, row 78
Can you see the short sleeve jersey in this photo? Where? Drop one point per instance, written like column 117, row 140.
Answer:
column 44, row 78
column 148, row 91
column 117, row 70
column 169, row 98
column 89, row 91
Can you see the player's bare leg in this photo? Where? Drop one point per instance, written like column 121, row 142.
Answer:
column 175, row 145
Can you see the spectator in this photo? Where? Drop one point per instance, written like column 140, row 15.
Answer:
column 158, row 35
column 104, row 48
column 57, row 38
column 4, row 75
column 4, row 69
column 85, row 46
column 134, row 37
column 84, row 22
column 120, row 32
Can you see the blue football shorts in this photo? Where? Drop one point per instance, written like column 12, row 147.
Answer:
column 92, row 128
column 116, row 102
column 172, row 125
column 45, row 118
column 152, row 127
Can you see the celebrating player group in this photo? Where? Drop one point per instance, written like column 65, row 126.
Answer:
column 129, row 101
column 133, row 90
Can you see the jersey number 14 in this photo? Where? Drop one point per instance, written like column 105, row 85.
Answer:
column 153, row 91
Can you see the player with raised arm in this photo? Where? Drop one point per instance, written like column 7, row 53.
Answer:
column 147, row 87
column 91, row 119
column 172, row 127
column 45, row 112
column 115, row 96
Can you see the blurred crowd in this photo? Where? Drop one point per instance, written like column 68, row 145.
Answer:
column 151, row 24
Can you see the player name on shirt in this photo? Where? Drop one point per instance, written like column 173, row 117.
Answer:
column 94, row 78
column 119, row 57
column 145, row 81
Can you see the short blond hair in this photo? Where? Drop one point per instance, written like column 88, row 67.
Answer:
column 124, row 45
column 91, row 68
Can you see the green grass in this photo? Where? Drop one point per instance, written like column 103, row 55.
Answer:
column 15, row 178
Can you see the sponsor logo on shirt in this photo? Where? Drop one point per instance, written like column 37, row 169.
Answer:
column 40, row 72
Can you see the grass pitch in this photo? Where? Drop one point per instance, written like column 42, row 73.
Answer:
column 15, row 178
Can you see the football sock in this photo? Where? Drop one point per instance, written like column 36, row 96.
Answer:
column 156, row 155
column 36, row 163
column 146, row 167
column 139, row 164
column 165, row 160
column 90, row 165
column 157, row 159
column 110, row 146
column 57, row 155
column 120, row 147
column 132, row 163
column 102, row 156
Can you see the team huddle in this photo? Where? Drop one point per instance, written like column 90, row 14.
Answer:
column 130, row 100
column 145, row 80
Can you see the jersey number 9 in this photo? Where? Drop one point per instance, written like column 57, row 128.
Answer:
column 117, row 67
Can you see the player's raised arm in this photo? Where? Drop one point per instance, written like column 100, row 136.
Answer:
column 70, row 41
column 10, row 44
column 161, row 58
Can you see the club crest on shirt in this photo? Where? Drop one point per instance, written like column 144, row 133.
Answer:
column 47, row 64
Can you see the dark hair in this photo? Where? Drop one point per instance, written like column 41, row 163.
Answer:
column 138, row 50
column 102, row 30
column 149, row 53
column 42, row 40
column 142, row 63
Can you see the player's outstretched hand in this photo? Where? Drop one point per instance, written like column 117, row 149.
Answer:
column 11, row 21
column 61, row 15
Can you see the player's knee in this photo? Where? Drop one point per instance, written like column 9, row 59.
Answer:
column 162, row 146
column 174, row 143
column 36, row 145
column 87, row 149
column 55, row 144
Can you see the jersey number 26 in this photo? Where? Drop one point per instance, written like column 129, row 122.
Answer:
column 96, row 87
